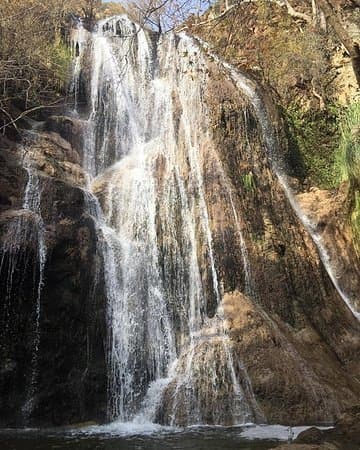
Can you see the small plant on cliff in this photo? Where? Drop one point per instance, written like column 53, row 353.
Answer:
column 349, row 155
column 349, row 162
column 248, row 182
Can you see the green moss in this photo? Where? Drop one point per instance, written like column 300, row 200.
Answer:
column 325, row 145
column 348, row 158
column 314, row 140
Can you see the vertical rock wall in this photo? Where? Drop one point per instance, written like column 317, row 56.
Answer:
column 67, row 380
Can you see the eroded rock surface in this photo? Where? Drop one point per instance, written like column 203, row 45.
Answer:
column 66, row 376
column 328, row 213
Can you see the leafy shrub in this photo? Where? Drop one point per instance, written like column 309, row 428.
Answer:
column 316, row 136
column 349, row 151
column 348, row 161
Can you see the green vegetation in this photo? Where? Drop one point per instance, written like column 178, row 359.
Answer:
column 248, row 182
column 348, row 161
column 61, row 58
column 315, row 139
column 349, row 154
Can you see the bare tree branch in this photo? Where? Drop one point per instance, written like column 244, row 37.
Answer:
column 292, row 12
column 27, row 112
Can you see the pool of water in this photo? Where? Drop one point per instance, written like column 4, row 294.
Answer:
column 141, row 437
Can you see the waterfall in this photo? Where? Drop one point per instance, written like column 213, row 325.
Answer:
column 144, row 135
column 32, row 202
column 170, row 356
column 175, row 285
column 78, row 39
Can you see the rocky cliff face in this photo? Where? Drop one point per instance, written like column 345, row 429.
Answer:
column 328, row 214
column 210, row 266
column 52, row 372
column 296, row 337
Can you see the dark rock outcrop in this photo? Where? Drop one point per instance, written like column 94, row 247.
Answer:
column 66, row 376
column 68, row 128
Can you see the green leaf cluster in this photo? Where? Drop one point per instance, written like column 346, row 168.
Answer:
column 348, row 163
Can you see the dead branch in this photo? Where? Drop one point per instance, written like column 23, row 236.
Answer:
column 27, row 112
column 317, row 95
column 293, row 12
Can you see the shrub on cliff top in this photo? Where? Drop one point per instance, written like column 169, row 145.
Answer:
column 34, row 61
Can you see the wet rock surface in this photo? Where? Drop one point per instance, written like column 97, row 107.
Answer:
column 344, row 436
column 328, row 213
column 68, row 381
column 293, row 332
column 69, row 128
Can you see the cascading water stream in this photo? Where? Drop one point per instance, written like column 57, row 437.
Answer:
column 78, row 40
column 249, row 288
column 32, row 202
column 323, row 252
column 144, row 135
column 269, row 138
